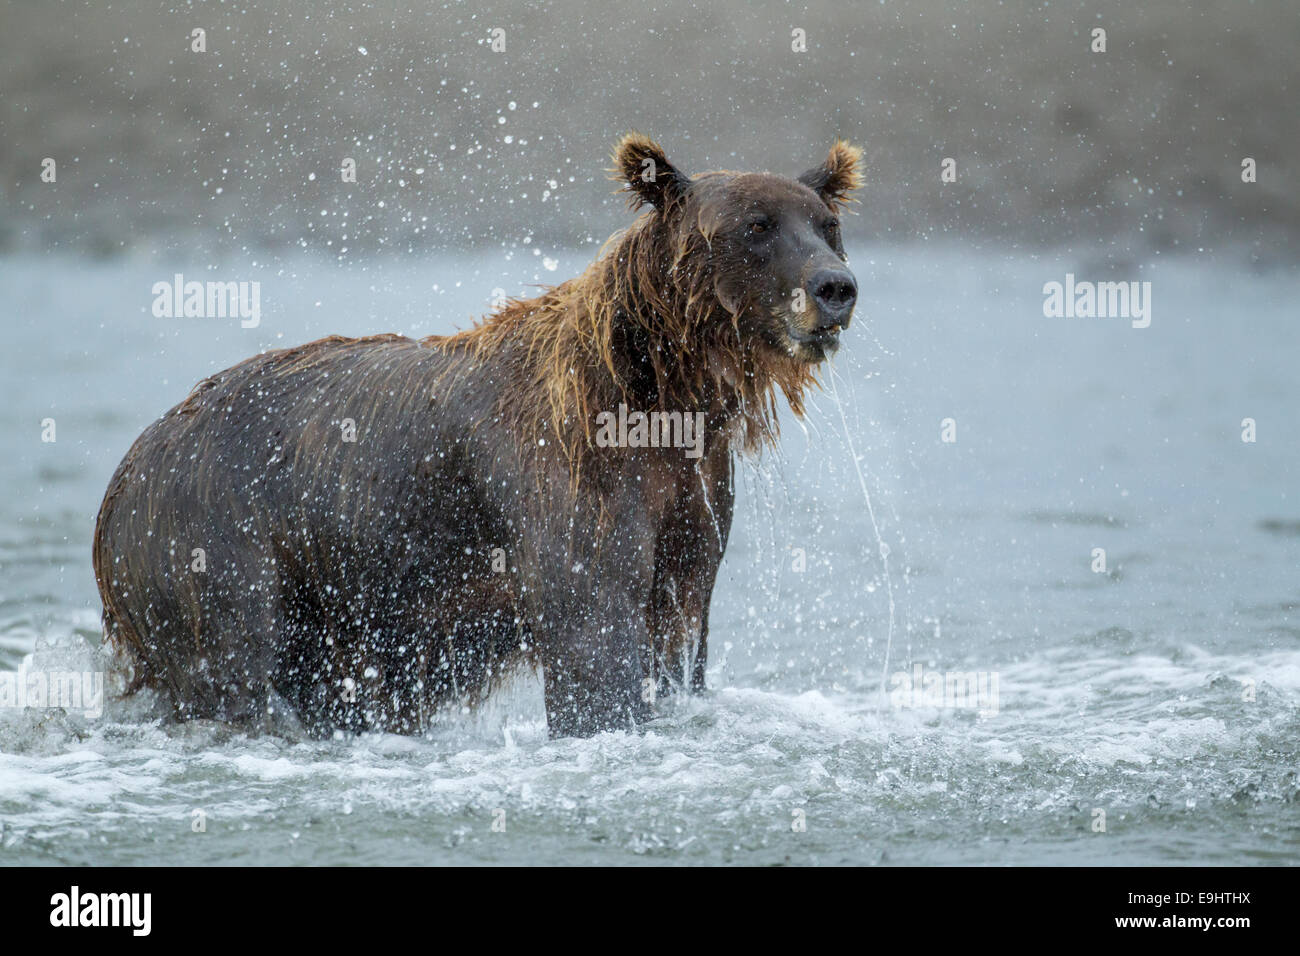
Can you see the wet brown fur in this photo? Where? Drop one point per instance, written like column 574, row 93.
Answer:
column 371, row 561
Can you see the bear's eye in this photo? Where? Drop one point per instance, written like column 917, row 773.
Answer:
column 759, row 227
column 833, row 230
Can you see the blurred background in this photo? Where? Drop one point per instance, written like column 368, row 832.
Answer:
column 1136, row 151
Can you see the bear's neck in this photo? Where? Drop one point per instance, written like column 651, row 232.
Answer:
column 676, row 349
column 640, row 327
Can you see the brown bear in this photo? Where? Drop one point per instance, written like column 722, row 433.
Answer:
column 388, row 526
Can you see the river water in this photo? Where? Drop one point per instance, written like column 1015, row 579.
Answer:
column 1146, row 712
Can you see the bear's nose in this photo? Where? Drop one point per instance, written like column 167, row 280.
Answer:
column 835, row 291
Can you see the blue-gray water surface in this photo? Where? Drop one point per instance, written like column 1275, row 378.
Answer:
column 1147, row 709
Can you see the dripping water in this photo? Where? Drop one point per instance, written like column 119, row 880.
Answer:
column 881, row 546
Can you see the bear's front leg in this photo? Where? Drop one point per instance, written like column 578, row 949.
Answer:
column 593, row 674
column 588, row 617
column 587, row 574
column 586, row 697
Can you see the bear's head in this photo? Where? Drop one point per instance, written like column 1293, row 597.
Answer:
column 767, row 247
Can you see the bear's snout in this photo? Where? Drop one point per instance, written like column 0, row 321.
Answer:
column 835, row 292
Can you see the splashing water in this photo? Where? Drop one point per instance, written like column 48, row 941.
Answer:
column 1167, row 692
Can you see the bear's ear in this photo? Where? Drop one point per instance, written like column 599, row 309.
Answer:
column 640, row 163
column 834, row 179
